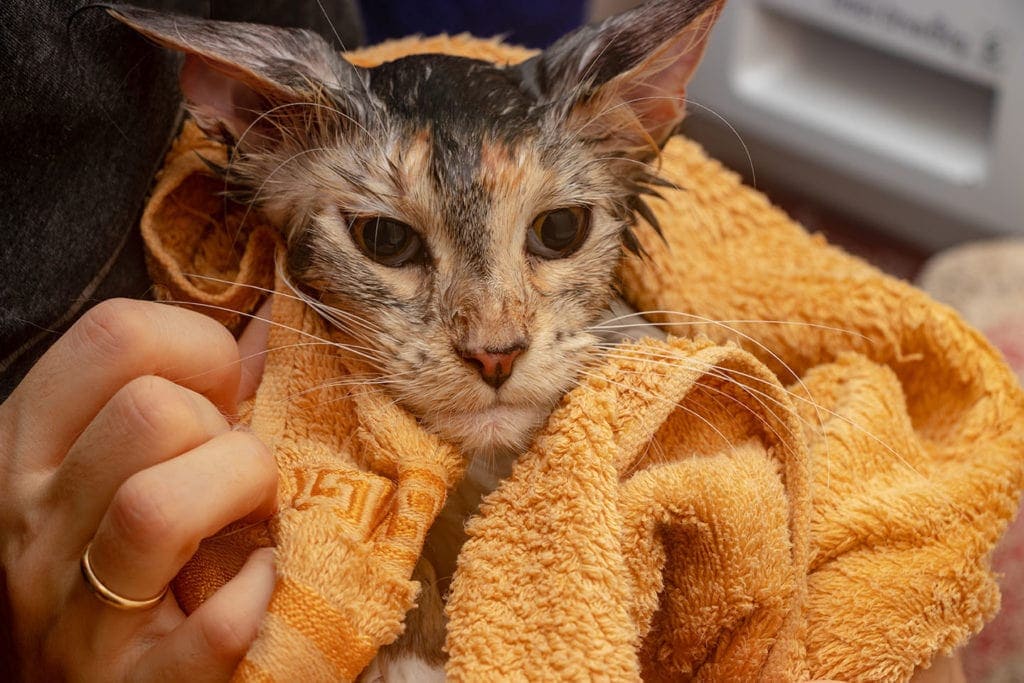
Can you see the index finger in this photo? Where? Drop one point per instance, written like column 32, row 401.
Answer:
column 115, row 342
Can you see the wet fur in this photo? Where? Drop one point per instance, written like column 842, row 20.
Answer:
column 469, row 154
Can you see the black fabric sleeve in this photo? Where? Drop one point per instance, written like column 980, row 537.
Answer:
column 87, row 111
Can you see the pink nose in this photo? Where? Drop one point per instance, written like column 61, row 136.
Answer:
column 494, row 365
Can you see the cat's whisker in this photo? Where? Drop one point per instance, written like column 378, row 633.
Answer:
column 346, row 397
column 772, row 354
column 635, row 465
column 675, row 359
column 295, row 297
column 456, row 400
column 259, row 190
column 366, row 378
column 341, row 319
column 233, row 530
column 286, row 132
column 687, row 102
column 251, row 316
column 652, row 445
column 347, row 381
column 736, row 133
column 725, row 375
column 286, row 347
column 362, row 352
column 232, row 283
column 698, row 319
column 605, row 326
column 334, row 29
column 336, row 316
column 818, row 408
column 264, row 116
column 822, row 430
column 648, row 395
column 646, row 165
column 235, row 283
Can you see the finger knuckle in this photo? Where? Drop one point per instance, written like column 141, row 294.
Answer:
column 228, row 637
column 140, row 511
column 243, row 441
column 220, row 344
column 264, row 464
column 113, row 328
column 155, row 407
column 219, row 336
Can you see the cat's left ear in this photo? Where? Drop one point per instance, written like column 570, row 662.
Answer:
column 242, row 82
column 623, row 82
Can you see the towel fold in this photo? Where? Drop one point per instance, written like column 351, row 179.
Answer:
column 807, row 480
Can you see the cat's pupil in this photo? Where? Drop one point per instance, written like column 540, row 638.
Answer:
column 386, row 240
column 387, row 237
column 558, row 230
column 559, row 233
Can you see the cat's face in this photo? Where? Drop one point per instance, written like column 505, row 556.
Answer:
column 479, row 241
column 464, row 220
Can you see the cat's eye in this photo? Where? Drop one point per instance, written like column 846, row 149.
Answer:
column 387, row 241
column 559, row 233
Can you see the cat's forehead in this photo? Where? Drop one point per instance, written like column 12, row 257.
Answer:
column 458, row 104
column 457, row 94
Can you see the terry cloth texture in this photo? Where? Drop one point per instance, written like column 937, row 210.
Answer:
column 754, row 500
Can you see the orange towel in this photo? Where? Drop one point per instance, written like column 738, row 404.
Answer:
column 683, row 513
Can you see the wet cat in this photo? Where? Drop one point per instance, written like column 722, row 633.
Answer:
column 462, row 220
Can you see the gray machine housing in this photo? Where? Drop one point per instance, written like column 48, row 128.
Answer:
column 907, row 113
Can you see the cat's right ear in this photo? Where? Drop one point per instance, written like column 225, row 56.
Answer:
column 235, row 75
column 622, row 83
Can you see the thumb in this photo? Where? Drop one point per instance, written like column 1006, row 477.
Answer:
column 252, row 348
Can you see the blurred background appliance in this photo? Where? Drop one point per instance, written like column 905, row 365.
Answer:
column 908, row 114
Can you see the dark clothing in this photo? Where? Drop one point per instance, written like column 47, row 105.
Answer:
column 88, row 109
column 533, row 23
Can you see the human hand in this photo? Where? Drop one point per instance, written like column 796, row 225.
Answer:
column 117, row 437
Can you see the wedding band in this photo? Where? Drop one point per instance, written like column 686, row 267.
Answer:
column 101, row 591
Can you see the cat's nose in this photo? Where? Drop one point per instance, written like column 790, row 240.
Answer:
column 494, row 365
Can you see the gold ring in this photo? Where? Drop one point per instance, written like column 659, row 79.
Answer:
column 101, row 591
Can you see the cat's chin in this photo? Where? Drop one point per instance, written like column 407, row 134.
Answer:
column 492, row 431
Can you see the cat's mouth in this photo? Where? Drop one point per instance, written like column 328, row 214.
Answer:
column 499, row 413
column 500, row 427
